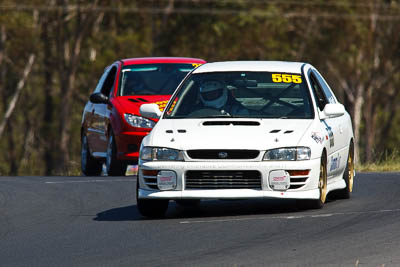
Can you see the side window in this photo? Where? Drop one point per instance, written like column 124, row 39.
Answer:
column 318, row 92
column 109, row 81
column 325, row 88
column 101, row 81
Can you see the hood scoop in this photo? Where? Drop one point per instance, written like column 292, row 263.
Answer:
column 234, row 123
column 137, row 100
column 133, row 100
column 142, row 99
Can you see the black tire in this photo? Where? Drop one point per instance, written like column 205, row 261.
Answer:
column 152, row 208
column 114, row 166
column 322, row 186
column 348, row 176
column 188, row 203
column 89, row 165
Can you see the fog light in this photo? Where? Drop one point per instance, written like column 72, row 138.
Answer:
column 166, row 180
column 279, row 180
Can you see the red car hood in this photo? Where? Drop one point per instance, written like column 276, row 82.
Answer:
column 131, row 104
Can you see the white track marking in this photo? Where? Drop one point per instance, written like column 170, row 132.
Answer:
column 293, row 217
column 92, row 181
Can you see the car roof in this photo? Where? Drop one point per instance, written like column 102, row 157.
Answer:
column 150, row 60
column 269, row 66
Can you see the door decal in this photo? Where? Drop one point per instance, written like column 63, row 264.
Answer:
column 330, row 133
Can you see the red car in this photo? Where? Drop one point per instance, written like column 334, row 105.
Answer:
column 112, row 128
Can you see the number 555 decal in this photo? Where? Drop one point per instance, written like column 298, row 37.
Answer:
column 286, row 78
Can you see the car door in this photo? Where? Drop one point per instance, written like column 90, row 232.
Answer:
column 339, row 157
column 92, row 115
column 332, row 125
column 99, row 115
column 102, row 112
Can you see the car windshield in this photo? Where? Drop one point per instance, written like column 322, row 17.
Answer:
column 153, row 79
column 242, row 94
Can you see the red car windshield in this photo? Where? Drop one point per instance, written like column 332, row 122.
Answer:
column 153, row 79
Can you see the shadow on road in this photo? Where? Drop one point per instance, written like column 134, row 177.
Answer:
column 128, row 213
column 210, row 208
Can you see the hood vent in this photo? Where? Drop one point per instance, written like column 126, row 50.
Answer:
column 234, row 123
column 275, row 131
column 142, row 99
column 133, row 100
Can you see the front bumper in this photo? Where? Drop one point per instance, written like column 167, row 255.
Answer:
column 227, row 194
column 307, row 191
column 128, row 144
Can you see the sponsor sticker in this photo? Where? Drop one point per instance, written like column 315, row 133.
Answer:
column 335, row 163
column 318, row 138
column 286, row 78
column 195, row 65
column 330, row 133
column 163, row 104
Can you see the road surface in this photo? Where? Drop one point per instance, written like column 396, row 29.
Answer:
column 93, row 221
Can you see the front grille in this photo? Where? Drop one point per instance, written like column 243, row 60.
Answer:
column 223, row 154
column 223, row 180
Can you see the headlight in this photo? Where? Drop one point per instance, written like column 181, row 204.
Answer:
column 161, row 154
column 139, row 122
column 288, row 153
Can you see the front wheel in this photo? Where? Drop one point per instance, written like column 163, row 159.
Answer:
column 152, row 208
column 188, row 203
column 322, row 186
column 89, row 165
column 348, row 176
column 114, row 166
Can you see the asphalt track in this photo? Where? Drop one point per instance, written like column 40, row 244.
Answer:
column 93, row 221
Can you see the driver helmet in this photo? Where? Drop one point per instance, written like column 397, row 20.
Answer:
column 213, row 94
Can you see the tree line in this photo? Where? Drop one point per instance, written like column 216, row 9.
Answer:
column 53, row 52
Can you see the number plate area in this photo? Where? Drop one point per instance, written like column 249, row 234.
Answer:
column 279, row 180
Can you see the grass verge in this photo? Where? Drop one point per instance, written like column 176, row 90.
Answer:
column 379, row 167
column 386, row 163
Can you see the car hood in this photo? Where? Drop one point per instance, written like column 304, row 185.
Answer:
column 131, row 104
column 260, row 134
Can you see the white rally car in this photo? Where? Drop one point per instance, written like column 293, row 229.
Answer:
column 247, row 129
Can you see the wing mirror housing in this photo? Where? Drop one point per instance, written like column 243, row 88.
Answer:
column 150, row 111
column 333, row 110
column 99, row 98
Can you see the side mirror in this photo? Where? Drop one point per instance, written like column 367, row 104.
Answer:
column 99, row 98
column 333, row 110
column 150, row 111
